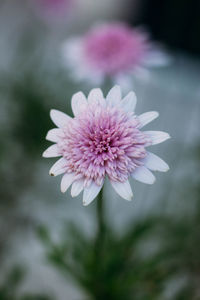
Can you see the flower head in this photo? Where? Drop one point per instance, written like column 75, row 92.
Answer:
column 114, row 48
column 103, row 139
column 111, row 50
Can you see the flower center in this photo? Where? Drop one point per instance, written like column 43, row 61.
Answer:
column 100, row 141
column 104, row 141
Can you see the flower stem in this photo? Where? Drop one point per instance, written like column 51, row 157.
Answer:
column 100, row 213
column 100, row 225
column 99, row 248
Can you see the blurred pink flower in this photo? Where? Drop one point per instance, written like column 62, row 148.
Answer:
column 111, row 50
column 114, row 49
column 103, row 139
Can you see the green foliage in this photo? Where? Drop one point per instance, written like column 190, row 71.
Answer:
column 121, row 270
column 9, row 289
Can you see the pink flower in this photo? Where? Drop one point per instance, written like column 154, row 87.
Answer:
column 114, row 49
column 103, row 139
column 111, row 50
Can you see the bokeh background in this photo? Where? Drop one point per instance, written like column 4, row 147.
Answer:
column 151, row 248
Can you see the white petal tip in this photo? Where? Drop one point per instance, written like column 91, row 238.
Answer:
column 153, row 181
column 52, row 151
column 157, row 137
column 165, row 169
column 114, row 95
column 59, row 118
column 123, row 189
column 129, row 198
column 168, row 135
column 45, row 154
column 52, row 111
column 147, row 117
column 63, row 190
column 143, row 174
column 155, row 163
column 90, row 193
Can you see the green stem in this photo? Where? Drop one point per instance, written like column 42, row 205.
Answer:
column 100, row 214
column 100, row 226
column 99, row 249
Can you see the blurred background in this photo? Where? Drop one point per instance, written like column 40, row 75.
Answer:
column 151, row 246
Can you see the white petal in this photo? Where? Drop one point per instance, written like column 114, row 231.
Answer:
column 129, row 102
column 157, row 136
column 52, row 151
column 155, row 163
column 54, row 135
column 95, row 96
column 142, row 73
column 114, row 95
column 59, row 118
column 58, row 168
column 79, row 103
column 125, row 81
column 147, row 117
column 77, row 187
column 90, row 193
column 123, row 189
column 66, row 181
column 156, row 58
column 144, row 175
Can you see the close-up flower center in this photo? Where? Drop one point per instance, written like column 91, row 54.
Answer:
column 101, row 141
column 104, row 141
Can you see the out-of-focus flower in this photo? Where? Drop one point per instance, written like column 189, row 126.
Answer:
column 114, row 51
column 53, row 9
column 103, row 139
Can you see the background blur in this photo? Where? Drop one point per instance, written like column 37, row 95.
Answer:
column 151, row 249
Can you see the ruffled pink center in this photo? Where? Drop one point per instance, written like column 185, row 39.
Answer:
column 103, row 141
column 114, row 48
